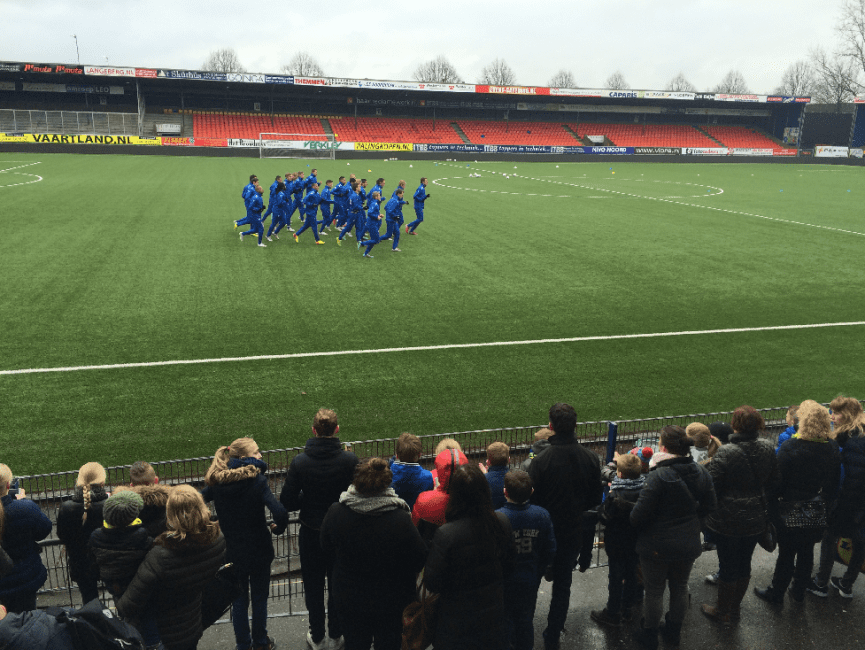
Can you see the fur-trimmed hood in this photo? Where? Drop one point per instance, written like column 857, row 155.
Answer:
column 153, row 495
column 226, row 476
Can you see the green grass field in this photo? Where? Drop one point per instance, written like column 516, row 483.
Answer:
column 128, row 259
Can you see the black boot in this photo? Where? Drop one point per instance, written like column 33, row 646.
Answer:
column 671, row 632
column 647, row 637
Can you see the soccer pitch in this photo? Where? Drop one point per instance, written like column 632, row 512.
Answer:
column 125, row 260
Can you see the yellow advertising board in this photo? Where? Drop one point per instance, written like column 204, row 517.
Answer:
column 52, row 138
column 383, row 146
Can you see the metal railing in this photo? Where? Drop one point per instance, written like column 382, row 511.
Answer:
column 601, row 437
column 68, row 122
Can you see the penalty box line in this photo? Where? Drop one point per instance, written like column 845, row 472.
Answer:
column 424, row 348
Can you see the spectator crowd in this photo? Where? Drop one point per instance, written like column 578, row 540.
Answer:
column 473, row 541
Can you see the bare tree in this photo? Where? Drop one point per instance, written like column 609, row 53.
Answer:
column 680, row 84
column 498, row 73
column 797, row 80
column 733, row 83
column 835, row 77
column 223, row 60
column 851, row 29
column 439, row 70
column 616, row 81
column 303, row 65
column 563, row 79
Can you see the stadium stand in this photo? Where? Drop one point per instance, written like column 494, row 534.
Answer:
column 647, row 135
column 524, row 133
column 741, row 137
column 237, row 125
column 382, row 129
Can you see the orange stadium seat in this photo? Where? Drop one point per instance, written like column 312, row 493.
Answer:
column 517, row 132
column 741, row 137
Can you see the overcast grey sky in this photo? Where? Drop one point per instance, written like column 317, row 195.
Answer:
column 649, row 41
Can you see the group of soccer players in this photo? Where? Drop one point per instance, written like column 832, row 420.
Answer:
column 351, row 204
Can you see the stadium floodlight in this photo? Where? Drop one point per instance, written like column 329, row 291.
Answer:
column 297, row 145
column 77, row 53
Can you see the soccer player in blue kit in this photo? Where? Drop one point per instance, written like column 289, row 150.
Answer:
column 271, row 204
column 246, row 195
column 340, row 196
column 355, row 214
column 373, row 221
column 312, row 180
column 295, row 198
column 420, row 196
column 393, row 213
column 326, row 201
column 279, row 206
column 310, row 205
column 256, row 205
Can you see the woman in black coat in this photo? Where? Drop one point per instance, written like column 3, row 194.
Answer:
column 810, row 466
column 847, row 518
column 77, row 519
column 678, row 493
column 377, row 554
column 469, row 558
column 172, row 578
column 237, row 485
column 743, row 471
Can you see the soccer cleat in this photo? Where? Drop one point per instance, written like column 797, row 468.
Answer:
column 262, row 245
column 276, row 235
column 235, row 225
column 406, row 230
column 817, row 590
column 368, row 255
column 338, row 241
column 322, row 233
column 290, row 229
column 844, row 592
column 269, row 239
column 241, row 236
column 396, row 250
column 359, row 244
column 319, row 242
column 412, row 233
column 296, row 239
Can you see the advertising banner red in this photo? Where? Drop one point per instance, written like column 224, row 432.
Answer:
column 512, row 90
column 52, row 68
column 144, row 72
column 784, row 152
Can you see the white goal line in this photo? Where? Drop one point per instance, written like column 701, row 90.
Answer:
column 423, row 348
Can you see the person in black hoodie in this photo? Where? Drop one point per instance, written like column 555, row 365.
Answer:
column 810, row 467
column 377, row 554
column 237, row 485
column 468, row 561
column 677, row 494
column 315, row 480
column 847, row 518
column 77, row 519
column 567, row 480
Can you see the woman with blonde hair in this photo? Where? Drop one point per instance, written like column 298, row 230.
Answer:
column 22, row 525
column 848, row 516
column 810, row 468
column 77, row 519
column 237, row 485
column 171, row 579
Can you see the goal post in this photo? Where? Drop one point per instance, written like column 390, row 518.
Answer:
column 297, row 145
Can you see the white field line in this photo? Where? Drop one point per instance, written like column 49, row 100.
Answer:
column 687, row 205
column 423, row 348
column 4, row 171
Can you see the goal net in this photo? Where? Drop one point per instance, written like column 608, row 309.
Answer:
column 297, row 145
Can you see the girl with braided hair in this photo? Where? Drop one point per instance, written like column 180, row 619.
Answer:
column 77, row 519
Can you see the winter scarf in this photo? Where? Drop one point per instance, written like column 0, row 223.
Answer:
column 385, row 501
column 628, row 483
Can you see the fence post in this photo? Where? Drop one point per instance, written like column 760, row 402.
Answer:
column 612, row 434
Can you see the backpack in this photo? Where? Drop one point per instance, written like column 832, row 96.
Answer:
column 93, row 628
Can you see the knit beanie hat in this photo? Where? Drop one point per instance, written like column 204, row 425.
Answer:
column 122, row 508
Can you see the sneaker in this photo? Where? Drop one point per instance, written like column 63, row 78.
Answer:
column 338, row 241
column 844, row 592
column 817, row 590
column 241, row 236
column 412, row 233
column 235, row 225
column 275, row 235
column 712, row 578
column 319, row 243
column 262, row 245
column 603, row 617
column 290, row 229
column 395, row 250
column 270, row 645
column 269, row 239
column 406, row 230
column 296, row 240
column 337, row 644
column 312, row 644
column 322, row 233
column 368, row 255
column 359, row 244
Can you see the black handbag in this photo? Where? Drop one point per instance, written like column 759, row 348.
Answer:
column 809, row 514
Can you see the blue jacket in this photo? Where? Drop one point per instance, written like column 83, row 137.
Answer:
column 372, row 212
column 496, row 478
column 789, row 432
column 309, row 181
column 362, row 192
column 273, row 189
column 409, row 480
column 248, row 191
column 256, row 205
column 327, row 195
column 380, row 190
column 297, row 186
column 393, row 209
column 25, row 524
column 534, row 539
column 355, row 203
column 280, row 203
column 310, row 203
column 419, row 196
column 340, row 193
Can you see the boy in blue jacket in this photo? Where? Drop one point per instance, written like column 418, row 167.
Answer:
column 393, row 213
column 409, row 478
column 536, row 548
column 310, row 206
column 310, row 181
column 420, row 197
column 327, row 200
column 792, row 426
